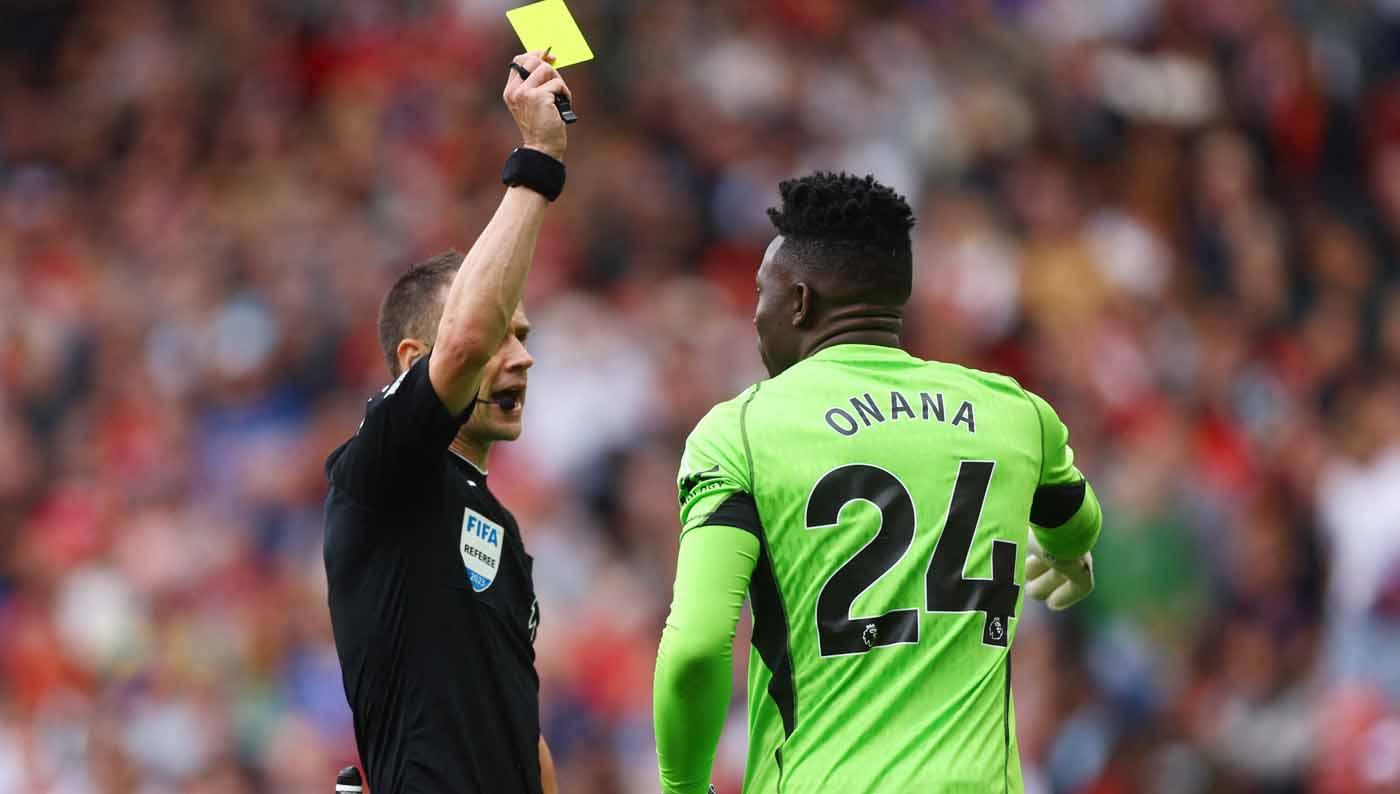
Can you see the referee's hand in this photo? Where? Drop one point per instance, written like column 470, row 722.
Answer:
column 531, row 102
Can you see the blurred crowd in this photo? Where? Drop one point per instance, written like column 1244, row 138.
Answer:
column 1176, row 219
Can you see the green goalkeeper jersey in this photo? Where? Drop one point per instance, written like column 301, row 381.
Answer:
column 892, row 498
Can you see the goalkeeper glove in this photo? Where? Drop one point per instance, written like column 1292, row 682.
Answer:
column 1059, row 583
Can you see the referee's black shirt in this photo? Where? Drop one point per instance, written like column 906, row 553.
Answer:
column 432, row 604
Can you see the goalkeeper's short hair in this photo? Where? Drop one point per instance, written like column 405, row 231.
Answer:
column 852, row 228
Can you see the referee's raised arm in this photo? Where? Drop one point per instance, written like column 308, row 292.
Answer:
column 487, row 289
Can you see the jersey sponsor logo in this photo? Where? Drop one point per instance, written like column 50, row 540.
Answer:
column 865, row 411
column 481, row 548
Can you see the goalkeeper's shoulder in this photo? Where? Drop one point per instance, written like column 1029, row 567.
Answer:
column 725, row 419
column 992, row 381
column 716, row 450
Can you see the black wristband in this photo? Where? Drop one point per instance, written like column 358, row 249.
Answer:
column 536, row 170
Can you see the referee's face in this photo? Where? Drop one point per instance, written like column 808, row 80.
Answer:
column 504, row 376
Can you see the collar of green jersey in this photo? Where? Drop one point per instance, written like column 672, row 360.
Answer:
column 851, row 351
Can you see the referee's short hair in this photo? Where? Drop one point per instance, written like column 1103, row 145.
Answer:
column 414, row 304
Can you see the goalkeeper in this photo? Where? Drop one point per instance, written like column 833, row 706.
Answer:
column 874, row 508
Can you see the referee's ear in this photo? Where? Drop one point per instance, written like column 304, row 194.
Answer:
column 408, row 352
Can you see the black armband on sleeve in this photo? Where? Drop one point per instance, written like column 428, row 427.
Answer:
column 738, row 511
column 1053, row 505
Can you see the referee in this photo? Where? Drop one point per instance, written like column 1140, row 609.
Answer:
column 431, row 596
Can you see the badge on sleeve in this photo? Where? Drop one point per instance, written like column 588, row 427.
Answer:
column 481, row 548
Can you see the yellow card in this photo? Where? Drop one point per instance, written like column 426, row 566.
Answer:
column 549, row 25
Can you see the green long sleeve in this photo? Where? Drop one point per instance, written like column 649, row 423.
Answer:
column 1065, row 513
column 695, row 661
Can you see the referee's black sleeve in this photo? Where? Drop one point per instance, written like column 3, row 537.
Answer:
column 405, row 432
